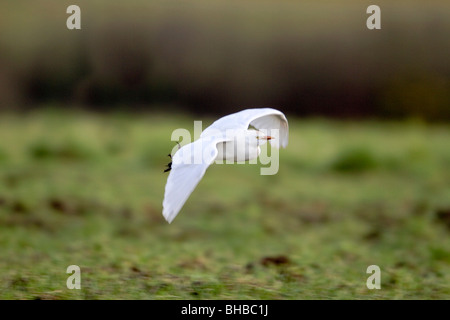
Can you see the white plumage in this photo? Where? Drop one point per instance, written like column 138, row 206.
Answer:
column 229, row 138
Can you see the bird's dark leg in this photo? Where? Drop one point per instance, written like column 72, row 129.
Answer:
column 169, row 166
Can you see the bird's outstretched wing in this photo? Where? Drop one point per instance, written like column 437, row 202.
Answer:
column 260, row 118
column 189, row 165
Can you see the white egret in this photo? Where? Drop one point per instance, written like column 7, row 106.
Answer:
column 229, row 138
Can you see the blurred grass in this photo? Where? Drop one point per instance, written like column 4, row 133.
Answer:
column 86, row 189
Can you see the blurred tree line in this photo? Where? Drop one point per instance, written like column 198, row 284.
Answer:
column 306, row 58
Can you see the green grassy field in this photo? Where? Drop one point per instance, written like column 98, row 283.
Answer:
column 85, row 189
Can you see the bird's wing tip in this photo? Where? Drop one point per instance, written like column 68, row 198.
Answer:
column 168, row 219
column 169, row 216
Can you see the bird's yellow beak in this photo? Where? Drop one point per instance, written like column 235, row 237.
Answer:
column 265, row 138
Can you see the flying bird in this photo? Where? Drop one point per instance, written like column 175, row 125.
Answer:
column 234, row 138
